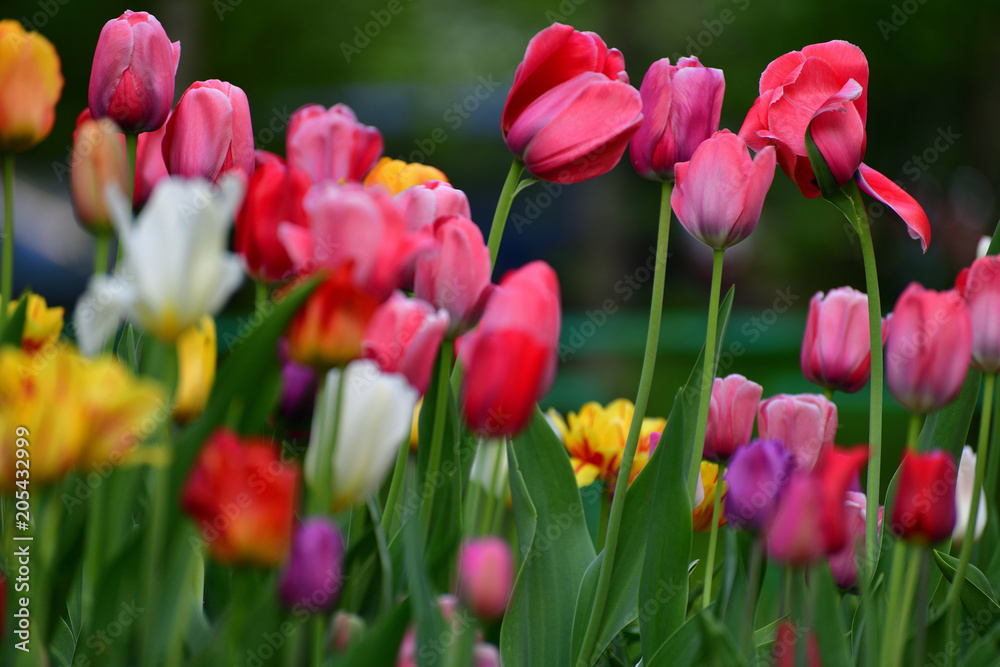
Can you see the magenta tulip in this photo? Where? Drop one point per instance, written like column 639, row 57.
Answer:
column 844, row 563
column 209, row 133
column 928, row 348
column 980, row 286
column 731, row 413
column 455, row 273
column 132, row 79
column 755, row 479
column 149, row 166
column 423, row 204
column 720, row 193
column 836, row 349
column 331, row 145
column 681, row 105
column 313, row 576
column 805, row 423
column 485, row 576
column 403, row 336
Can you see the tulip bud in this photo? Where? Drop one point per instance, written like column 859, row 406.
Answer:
column 924, row 510
column 396, row 175
column 755, row 479
column 250, row 476
column 132, row 79
column 403, row 336
column 196, row 357
column 964, row 485
column 720, row 193
column 345, row 630
column 31, row 82
column 485, row 576
column 376, row 409
column 313, row 575
column 331, row 145
column 98, row 161
column 485, row 655
column 455, row 274
column 836, row 349
column 844, row 563
column 209, row 133
column 928, row 348
column 681, row 106
column 981, row 290
column 731, row 413
column 805, row 423
column 423, row 204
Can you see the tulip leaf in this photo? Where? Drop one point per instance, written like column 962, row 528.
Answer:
column 735, row 575
column 430, row 626
column 977, row 595
column 13, row 329
column 380, row 645
column 681, row 649
column 948, row 428
column 983, row 652
column 830, row 629
column 764, row 638
column 719, row 647
column 555, row 549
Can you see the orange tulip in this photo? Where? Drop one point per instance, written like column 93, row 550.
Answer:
column 31, row 82
column 396, row 175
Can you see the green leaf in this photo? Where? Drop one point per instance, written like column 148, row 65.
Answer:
column 720, row 648
column 430, row 626
column 763, row 638
column 977, row 595
column 984, row 651
column 13, row 330
column 681, row 649
column 127, row 348
column 826, row 182
column 380, row 645
column 948, row 429
column 555, row 550
column 830, row 630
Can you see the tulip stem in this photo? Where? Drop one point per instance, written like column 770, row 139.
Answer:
column 982, row 452
column 486, row 519
column 437, row 432
column 382, row 548
column 318, row 637
column 321, row 498
column 7, row 280
column 131, row 151
column 101, row 246
column 93, row 550
column 396, row 485
column 899, row 634
column 503, row 209
column 587, row 648
column 993, row 464
column 707, row 376
column 829, row 392
column 913, row 432
column 894, row 610
column 261, row 295
column 713, row 538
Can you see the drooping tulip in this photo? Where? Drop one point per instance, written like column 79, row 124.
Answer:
column 719, row 194
column 403, row 336
column 454, row 274
column 250, row 476
column 375, row 409
column 731, row 413
column 964, row 483
column 924, row 510
column 485, row 576
column 331, row 145
column 928, row 348
column 132, row 79
column 313, row 576
column 510, row 359
column 755, row 479
column 836, row 348
column 681, row 106
column 196, row 358
column 805, row 423
column 980, row 287
column 209, row 132
column 31, row 82
column 423, row 204
column 98, row 161
column 396, row 175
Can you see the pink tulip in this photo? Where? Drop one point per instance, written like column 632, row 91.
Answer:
column 209, row 132
column 485, row 576
column 928, row 348
column 836, row 349
column 720, row 193
column 510, row 359
column 331, row 145
column 132, row 79
column 980, row 286
column 805, row 423
column 403, row 336
column 455, row 273
column 149, row 166
column 824, row 88
column 356, row 228
column 731, row 413
column 681, row 105
column 844, row 563
column 423, row 204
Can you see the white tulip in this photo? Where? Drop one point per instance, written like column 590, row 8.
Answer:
column 175, row 268
column 489, row 468
column 374, row 420
column 983, row 246
column 963, row 499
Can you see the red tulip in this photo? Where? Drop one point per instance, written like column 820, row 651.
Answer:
column 243, row 498
column 980, row 287
column 811, row 520
column 824, row 88
column 455, row 273
column 149, row 166
column 844, row 563
column 274, row 196
column 403, row 336
column 209, row 132
column 485, row 576
column 836, row 349
column 510, row 359
column 928, row 348
column 423, row 204
column 924, row 509
column 720, row 192
column 98, row 161
column 681, row 105
column 805, row 423
column 731, row 413
column 784, row 650
column 331, row 145
column 132, row 79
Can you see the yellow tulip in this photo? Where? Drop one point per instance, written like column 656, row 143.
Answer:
column 197, row 355
column 415, row 426
column 396, row 175
column 701, row 516
column 42, row 325
column 31, row 82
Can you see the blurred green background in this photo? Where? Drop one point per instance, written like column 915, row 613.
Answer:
column 433, row 77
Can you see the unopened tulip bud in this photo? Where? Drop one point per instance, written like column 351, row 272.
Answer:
column 313, row 576
column 731, row 414
column 836, row 348
column 486, row 576
column 345, row 630
column 755, row 479
column 924, row 509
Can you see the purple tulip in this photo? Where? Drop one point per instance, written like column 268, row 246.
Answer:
column 755, row 479
column 313, row 576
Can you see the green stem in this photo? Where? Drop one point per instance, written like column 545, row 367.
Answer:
column 93, row 550
column 898, row 636
column 753, row 591
column 706, row 596
column 318, row 640
column 632, row 441
column 982, row 452
column 501, row 509
column 503, row 209
column 708, row 374
column 913, row 429
column 7, row 279
column 893, row 610
column 262, row 294
column 131, row 151
column 396, row 485
column 320, row 500
column 494, row 500
column 437, row 432
column 993, row 464
column 385, row 561
column 101, row 245
column 828, row 392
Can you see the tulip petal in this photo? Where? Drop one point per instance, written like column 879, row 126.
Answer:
column 898, row 200
column 779, row 69
column 99, row 311
column 847, row 60
column 758, row 183
column 840, row 136
column 110, row 63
